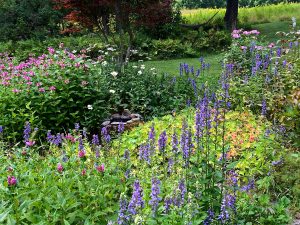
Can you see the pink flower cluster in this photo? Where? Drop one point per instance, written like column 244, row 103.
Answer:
column 236, row 34
column 11, row 180
column 36, row 74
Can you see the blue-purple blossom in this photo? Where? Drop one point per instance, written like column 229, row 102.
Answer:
column 127, row 155
column 1, row 129
column 155, row 191
column 170, row 165
column 249, row 186
column 152, row 134
column 84, row 133
column 174, row 143
column 136, row 203
column 224, row 214
column 121, row 127
column 27, row 131
column 144, row 153
column 123, row 217
column 105, row 134
column 95, row 140
column 80, row 145
column 162, row 141
column 77, row 126
column 209, row 219
column 264, row 107
column 179, row 195
column 167, row 204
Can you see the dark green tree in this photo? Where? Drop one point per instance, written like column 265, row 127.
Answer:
column 24, row 19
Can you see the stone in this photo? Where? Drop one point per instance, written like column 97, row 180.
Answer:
column 125, row 118
column 105, row 123
column 126, row 112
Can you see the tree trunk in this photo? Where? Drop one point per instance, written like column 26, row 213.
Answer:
column 231, row 14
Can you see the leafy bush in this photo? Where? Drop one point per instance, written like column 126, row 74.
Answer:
column 55, row 90
column 266, row 78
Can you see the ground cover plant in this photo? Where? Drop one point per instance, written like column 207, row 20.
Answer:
column 149, row 171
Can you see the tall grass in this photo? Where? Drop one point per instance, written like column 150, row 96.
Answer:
column 255, row 15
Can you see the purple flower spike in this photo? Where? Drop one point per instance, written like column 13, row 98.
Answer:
column 136, row 203
column 162, row 141
column 155, row 191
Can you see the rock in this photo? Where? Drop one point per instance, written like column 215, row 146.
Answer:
column 126, row 112
column 135, row 115
column 105, row 123
column 115, row 117
column 125, row 118
column 135, row 119
column 116, row 123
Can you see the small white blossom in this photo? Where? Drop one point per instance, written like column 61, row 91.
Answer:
column 90, row 107
column 104, row 63
column 152, row 69
column 114, row 74
column 143, row 67
column 294, row 22
column 140, row 72
column 134, row 67
column 112, row 91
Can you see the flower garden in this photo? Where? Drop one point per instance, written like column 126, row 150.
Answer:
column 204, row 155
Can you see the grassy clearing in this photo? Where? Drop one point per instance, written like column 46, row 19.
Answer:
column 172, row 66
column 255, row 15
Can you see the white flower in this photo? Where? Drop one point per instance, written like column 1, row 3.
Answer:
column 140, row 72
column 114, row 74
column 104, row 63
column 140, row 60
column 112, row 91
column 143, row 67
column 106, row 53
column 294, row 22
column 90, row 107
column 134, row 67
column 152, row 69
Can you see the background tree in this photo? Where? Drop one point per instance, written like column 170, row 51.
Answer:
column 117, row 20
column 23, row 19
column 231, row 15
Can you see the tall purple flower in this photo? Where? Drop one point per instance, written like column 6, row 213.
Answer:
column 121, row 127
column 1, row 129
column 209, row 219
column 77, row 126
column 170, row 165
column 167, row 204
column 127, row 155
column 224, row 214
column 123, row 217
column 155, row 191
column 27, row 131
column 152, row 134
column 179, row 195
column 162, row 141
column 95, row 140
column 136, row 203
column 144, row 152
column 249, row 186
column 264, row 107
column 105, row 135
column 174, row 143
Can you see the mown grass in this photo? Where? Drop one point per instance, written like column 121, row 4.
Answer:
column 247, row 16
column 172, row 67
